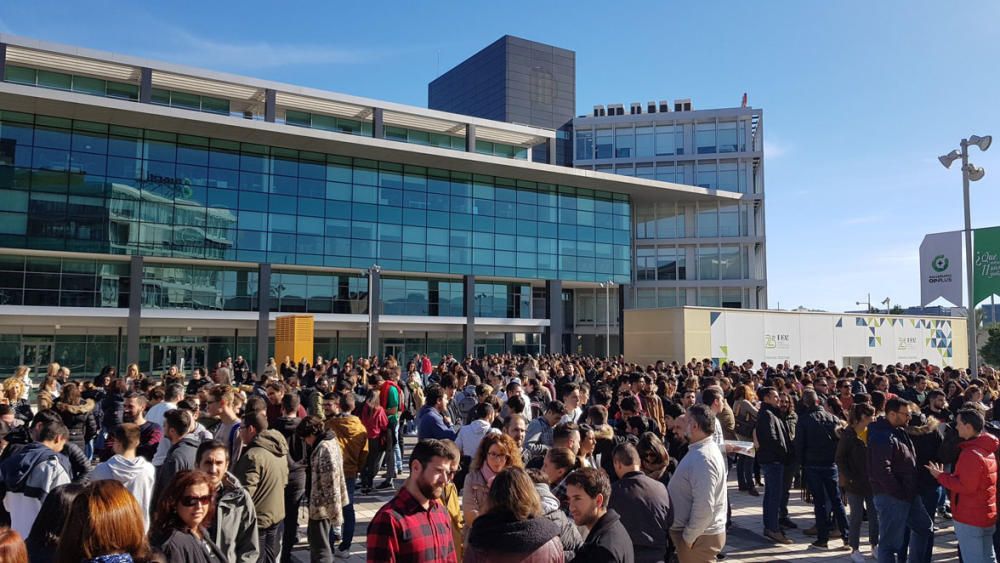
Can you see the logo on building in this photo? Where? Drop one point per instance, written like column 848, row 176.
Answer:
column 940, row 263
column 777, row 341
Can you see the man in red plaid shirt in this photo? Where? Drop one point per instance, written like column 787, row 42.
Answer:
column 414, row 526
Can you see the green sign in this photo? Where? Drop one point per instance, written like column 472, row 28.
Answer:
column 985, row 264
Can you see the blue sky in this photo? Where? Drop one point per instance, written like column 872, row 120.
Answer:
column 859, row 97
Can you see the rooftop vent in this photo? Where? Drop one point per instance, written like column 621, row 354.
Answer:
column 650, row 107
column 682, row 104
column 598, row 111
column 664, row 106
column 616, row 109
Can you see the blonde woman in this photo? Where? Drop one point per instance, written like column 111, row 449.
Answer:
column 13, row 390
column 23, row 373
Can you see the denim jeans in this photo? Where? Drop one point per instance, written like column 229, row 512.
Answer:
column 774, row 488
column 976, row 543
column 822, row 484
column 295, row 493
column 349, row 517
column 894, row 517
column 744, row 472
column 318, row 533
column 392, row 438
column 269, row 543
column 857, row 503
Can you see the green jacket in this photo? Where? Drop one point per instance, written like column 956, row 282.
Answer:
column 263, row 470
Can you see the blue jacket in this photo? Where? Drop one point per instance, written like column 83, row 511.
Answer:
column 892, row 461
column 431, row 425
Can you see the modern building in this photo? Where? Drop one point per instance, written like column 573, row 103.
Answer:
column 707, row 253
column 159, row 214
column 517, row 81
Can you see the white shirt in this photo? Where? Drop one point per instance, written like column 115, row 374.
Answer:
column 156, row 412
column 698, row 492
column 470, row 435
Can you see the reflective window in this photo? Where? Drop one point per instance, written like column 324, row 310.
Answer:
column 727, row 137
column 604, row 148
column 704, row 138
column 669, row 140
column 670, row 263
column 708, row 262
column 63, row 282
column 707, row 176
column 89, row 187
column 729, row 262
column 708, row 220
column 624, row 142
column 645, row 264
column 708, row 297
column 644, row 142
column 584, row 144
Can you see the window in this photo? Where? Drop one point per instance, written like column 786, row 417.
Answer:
column 669, row 140
column 727, row 137
column 645, row 298
column 704, row 138
column 644, row 142
column 670, row 263
column 707, row 177
column 187, row 100
column 729, row 177
column 669, row 221
column 731, row 298
column 645, row 224
column 584, row 144
column 729, row 262
column 645, row 267
column 624, row 142
column 708, row 263
column 708, row 297
column 729, row 220
column 605, row 144
column 708, row 221
column 63, row 81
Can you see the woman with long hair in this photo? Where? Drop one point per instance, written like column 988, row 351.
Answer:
column 851, row 457
column 496, row 452
column 104, row 525
column 654, row 458
column 376, row 424
column 745, row 411
column 48, row 393
column 558, row 464
column 512, row 528
column 43, row 540
column 13, row 393
column 178, row 528
column 78, row 415
column 12, row 547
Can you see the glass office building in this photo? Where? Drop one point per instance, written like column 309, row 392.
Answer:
column 164, row 215
column 705, row 253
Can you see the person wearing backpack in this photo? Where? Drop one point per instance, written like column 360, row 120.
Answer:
column 745, row 413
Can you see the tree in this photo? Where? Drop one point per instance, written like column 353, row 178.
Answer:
column 990, row 352
column 896, row 310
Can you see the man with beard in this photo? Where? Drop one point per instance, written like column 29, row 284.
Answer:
column 414, row 526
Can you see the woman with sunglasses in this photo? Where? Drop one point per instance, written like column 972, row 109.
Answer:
column 179, row 524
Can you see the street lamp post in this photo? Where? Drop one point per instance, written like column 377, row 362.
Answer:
column 607, row 317
column 869, row 309
column 970, row 173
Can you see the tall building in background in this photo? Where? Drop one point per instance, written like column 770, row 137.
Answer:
column 517, row 81
column 702, row 253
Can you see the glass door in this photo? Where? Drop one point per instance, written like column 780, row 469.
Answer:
column 394, row 347
column 185, row 356
column 37, row 356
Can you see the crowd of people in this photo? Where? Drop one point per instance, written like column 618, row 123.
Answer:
column 517, row 458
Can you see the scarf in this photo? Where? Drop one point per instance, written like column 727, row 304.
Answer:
column 488, row 474
column 111, row 558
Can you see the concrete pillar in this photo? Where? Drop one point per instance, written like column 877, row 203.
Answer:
column 554, row 312
column 469, row 308
column 470, row 138
column 374, row 303
column 270, row 105
column 145, row 85
column 552, row 150
column 134, row 309
column 623, row 292
column 378, row 123
column 263, row 315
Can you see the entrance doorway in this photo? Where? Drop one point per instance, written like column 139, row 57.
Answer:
column 37, row 356
column 186, row 357
column 394, row 347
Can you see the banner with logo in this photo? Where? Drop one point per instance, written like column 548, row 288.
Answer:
column 941, row 268
column 985, row 263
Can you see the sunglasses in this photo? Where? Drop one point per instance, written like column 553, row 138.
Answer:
column 193, row 501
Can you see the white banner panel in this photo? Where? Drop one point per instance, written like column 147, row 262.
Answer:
column 941, row 268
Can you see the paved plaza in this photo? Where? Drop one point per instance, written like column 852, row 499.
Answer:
column 744, row 544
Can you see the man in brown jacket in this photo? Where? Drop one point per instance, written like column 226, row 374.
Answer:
column 353, row 441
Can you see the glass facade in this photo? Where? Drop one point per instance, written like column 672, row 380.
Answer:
column 93, row 187
column 434, row 298
column 56, row 282
column 70, row 82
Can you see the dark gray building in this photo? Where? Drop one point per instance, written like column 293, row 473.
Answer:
column 517, row 81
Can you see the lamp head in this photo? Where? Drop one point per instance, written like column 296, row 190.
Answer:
column 982, row 142
column 976, row 173
column 947, row 159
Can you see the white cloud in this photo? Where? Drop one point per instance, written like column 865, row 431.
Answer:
column 204, row 51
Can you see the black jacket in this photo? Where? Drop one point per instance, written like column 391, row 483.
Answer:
column 816, row 437
column 79, row 420
column 852, row 463
column 182, row 547
column 496, row 536
column 607, row 542
column 113, row 410
column 644, row 508
column 180, row 456
column 298, row 456
column 892, row 462
column 927, row 436
column 774, row 444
